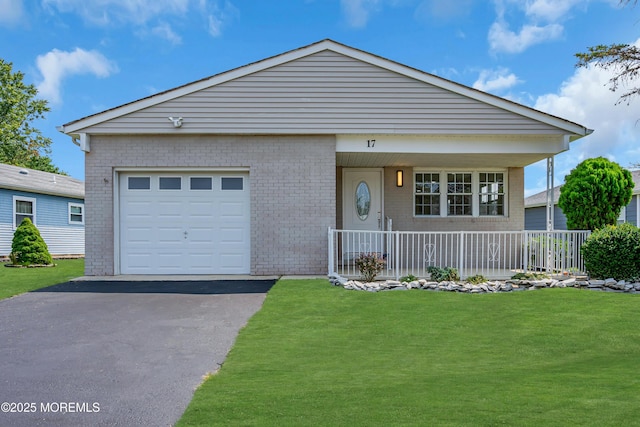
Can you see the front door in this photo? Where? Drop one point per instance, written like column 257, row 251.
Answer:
column 362, row 212
column 362, row 199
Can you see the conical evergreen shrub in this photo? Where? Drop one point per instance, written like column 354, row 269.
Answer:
column 28, row 247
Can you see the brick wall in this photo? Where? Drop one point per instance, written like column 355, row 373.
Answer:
column 292, row 184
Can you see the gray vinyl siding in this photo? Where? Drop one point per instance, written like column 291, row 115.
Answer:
column 536, row 218
column 632, row 211
column 325, row 93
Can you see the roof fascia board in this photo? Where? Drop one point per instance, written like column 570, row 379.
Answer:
column 45, row 192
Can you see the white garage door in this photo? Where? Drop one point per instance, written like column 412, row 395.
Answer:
column 184, row 223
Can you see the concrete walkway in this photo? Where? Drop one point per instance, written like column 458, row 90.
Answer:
column 105, row 353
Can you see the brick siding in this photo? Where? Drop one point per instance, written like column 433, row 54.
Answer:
column 292, row 185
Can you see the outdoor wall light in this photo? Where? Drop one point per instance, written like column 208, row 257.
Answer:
column 399, row 178
column 177, row 121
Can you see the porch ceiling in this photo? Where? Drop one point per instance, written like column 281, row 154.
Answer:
column 456, row 160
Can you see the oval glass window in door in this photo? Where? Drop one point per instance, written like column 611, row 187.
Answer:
column 363, row 200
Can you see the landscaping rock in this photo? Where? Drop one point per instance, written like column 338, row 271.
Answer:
column 609, row 285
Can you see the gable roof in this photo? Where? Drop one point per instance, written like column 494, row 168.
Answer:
column 35, row 181
column 572, row 129
column 540, row 199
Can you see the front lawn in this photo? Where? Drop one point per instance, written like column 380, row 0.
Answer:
column 14, row 281
column 320, row 355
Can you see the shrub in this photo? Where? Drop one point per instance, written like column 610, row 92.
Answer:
column 408, row 278
column 446, row 274
column 476, row 279
column 28, row 247
column 370, row 265
column 613, row 252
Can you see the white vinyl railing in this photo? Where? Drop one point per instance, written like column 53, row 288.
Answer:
column 494, row 254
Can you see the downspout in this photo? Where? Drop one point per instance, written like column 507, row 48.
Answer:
column 550, row 201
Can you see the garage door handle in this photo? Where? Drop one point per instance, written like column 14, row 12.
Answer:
column 186, row 233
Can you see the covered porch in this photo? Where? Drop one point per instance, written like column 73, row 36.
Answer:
column 445, row 201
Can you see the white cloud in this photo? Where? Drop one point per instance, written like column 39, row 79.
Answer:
column 108, row 12
column 535, row 22
column 144, row 14
column 502, row 39
column 164, row 31
column 11, row 12
column 56, row 65
column 496, row 80
column 585, row 98
column 218, row 17
column 357, row 12
column 550, row 10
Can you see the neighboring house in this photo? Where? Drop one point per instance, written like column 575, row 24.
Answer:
column 54, row 203
column 244, row 172
column 536, row 209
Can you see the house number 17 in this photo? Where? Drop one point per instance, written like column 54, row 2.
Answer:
column 371, row 143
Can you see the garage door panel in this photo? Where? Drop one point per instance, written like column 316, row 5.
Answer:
column 184, row 231
column 233, row 263
column 201, row 235
column 234, row 209
column 139, row 235
column 137, row 209
column 232, row 235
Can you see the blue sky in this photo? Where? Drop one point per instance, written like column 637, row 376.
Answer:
column 86, row 56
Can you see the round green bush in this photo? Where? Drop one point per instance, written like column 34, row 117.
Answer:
column 613, row 252
column 28, row 247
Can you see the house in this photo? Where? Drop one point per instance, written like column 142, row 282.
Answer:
column 536, row 205
column 54, row 203
column 245, row 172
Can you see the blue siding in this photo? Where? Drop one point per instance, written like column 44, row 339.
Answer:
column 632, row 211
column 536, row 218
column 6, row 206
column 52, row 219
column 50, row 210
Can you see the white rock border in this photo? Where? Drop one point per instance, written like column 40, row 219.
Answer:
column 510, row 285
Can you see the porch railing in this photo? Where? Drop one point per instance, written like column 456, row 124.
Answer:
column 494, row 254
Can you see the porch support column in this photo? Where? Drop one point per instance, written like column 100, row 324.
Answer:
column 550, row 174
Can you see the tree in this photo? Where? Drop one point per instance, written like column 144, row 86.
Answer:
column 594, row 193
column 28, row 247
column 623, row 59
column 21, row 144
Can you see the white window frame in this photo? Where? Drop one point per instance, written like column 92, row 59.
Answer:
column 33, row 209
column 78, row 205
column 475, row 192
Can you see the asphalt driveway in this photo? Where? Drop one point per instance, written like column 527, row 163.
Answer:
column 116, row 353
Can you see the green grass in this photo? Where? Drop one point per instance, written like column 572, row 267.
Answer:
column 14, row 281
column 320, row 355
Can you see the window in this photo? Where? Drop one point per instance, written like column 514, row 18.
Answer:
column 23, row 207
column 76, row 213
column 201, row 183
column 461, row 193
column 232, row 183
column 170, row 183
column 139, row 183
column 491, row 192
column 427, row 194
